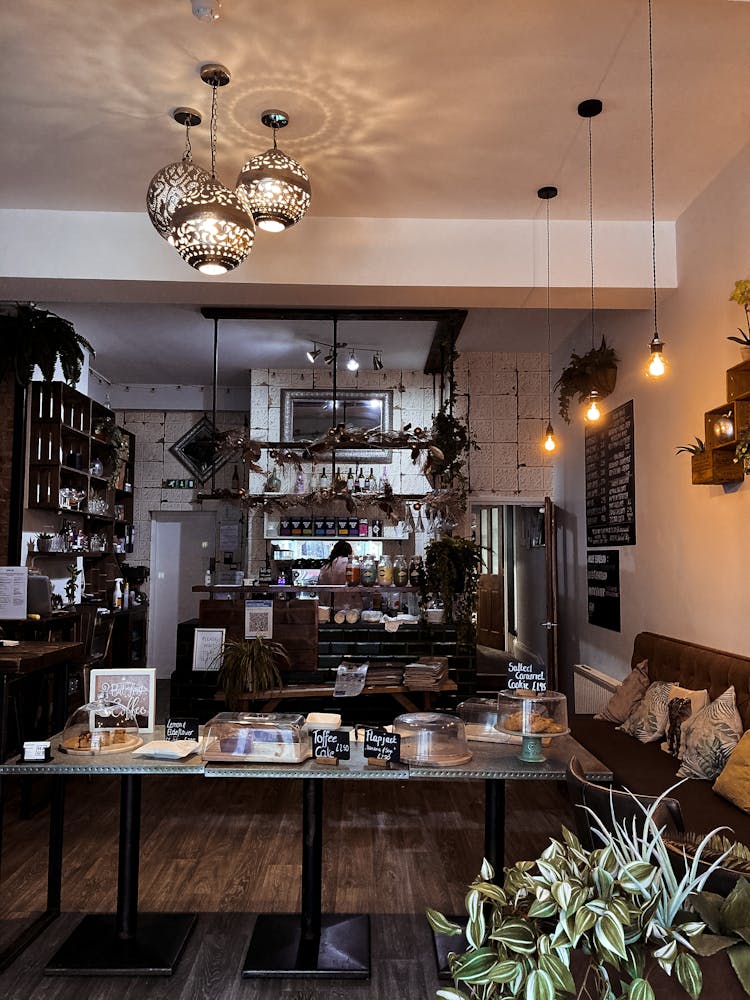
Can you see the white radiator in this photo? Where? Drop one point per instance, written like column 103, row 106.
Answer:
column 592, row 688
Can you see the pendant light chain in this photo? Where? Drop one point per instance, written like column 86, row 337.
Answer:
column 212, row 129
column 591, row 233
column 188, row 154
column 653, row 177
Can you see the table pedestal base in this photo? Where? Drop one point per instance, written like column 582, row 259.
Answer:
column 93, row 949
column 277, row 950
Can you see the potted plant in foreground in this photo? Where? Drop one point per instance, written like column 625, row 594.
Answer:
column 251, row 665
column 597, row 924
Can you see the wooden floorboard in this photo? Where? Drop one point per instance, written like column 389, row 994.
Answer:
column 230, row 850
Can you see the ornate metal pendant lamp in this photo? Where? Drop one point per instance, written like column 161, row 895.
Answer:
column 211, row 230
column 272, row 186
column 176, row 181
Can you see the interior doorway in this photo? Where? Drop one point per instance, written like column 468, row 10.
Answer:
column 182, row 547
column 517, row 599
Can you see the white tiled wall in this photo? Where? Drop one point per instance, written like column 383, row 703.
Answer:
column 504, row 396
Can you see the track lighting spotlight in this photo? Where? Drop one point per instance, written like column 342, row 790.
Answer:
column 313, row 354
column 329, row 358
column 377, row 364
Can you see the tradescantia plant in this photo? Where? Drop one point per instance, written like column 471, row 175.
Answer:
column 623, row 907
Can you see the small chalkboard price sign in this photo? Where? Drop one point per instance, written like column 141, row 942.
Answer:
column 530, row 676
column 181, row 729
column 382, row 748
column 331, row 745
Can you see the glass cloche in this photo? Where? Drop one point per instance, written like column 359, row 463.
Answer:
column 532, row 715
column 100, row 726
column 270, row 737
column 432, row 738
column 480, row 719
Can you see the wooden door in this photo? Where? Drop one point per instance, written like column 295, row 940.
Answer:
column 490, row 617
column 550, row 534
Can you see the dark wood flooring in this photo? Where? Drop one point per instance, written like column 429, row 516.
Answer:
column 231, row 849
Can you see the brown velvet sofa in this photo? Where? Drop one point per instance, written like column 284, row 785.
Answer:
column 643, row 767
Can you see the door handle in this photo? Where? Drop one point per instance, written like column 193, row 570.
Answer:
column 548, row 625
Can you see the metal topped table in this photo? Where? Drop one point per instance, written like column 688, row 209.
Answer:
column 305, row 944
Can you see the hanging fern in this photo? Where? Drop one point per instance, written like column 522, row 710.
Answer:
column 31, row 337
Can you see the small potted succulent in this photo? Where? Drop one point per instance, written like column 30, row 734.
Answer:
column 44, row 541
column 741, row 295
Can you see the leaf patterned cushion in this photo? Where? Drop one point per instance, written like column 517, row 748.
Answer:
column 648, row 718
column 709, row 740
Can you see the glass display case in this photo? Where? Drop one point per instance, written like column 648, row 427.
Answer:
column 532, row 715
column 271, row 738
column 100, row 727
column 432, row 738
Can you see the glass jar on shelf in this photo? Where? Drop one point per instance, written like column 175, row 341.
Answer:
column 353, row 571
column 400, row 571
column 385, row 571
column 369, row 572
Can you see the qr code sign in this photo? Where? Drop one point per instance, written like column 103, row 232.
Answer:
column 259, row 619
column 257, row 623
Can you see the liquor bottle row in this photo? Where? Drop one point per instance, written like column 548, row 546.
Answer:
column 354, row 481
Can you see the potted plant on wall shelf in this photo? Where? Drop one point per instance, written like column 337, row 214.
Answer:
column 32, row 337
column 117, row 447
column 451, row 573
column 742, row 451
column 597, row 924
column 596, row 369
column 741, row 295
column 251, row 665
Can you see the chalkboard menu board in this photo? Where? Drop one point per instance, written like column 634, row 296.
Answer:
column 610, row 479
column 603, row 576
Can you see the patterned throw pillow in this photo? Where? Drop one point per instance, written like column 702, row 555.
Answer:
column 628, row 694
column 683, row 704
column 710, row 738
column 648, row 719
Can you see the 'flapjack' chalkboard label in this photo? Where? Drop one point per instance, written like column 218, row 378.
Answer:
column 381, row 745
column 331, row 743
column 181, row 729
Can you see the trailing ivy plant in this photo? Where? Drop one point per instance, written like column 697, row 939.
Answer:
column 623, row 907
column 31, row 337
column 596, row 369
column 451, row 572
column 117, row 446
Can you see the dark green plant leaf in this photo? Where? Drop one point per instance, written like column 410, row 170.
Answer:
column 735, row 911
column 516, row 935
column 639, row 989
column 539, row 986
column 451, row 993
column 504, row 972
column 610, row 935
column 473, row 966
column 558, row 972
column 689, row 974
column 739, row 956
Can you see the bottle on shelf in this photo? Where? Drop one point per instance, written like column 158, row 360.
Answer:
column 415, row 571
column 385, row 571
column 323, row 483
column 299, row 482
column 370, row 482
column 384, row 479
column 359, row 480
column 339, row 481
column 125, row 596
column 350, row 481
column 117, row 595
column 235, row 481
column 400, row 571
column 273, row 483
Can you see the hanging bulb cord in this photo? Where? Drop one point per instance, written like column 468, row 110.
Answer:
column 591, row 234
column 653, row 178
column 275, row 130
column 549, row 329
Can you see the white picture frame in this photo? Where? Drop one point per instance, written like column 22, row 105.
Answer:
column 208, row 645
column 134, row 687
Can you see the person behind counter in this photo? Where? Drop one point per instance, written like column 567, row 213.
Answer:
column 333, row 570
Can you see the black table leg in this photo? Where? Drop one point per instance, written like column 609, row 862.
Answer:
column 126, row 943
column 310, row 943
column 494, row 852
column 54, row 875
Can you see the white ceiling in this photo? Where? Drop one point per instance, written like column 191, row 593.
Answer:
column 421, row 110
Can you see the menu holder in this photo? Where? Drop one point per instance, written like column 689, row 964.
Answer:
column 382, row 749
column 329, row 746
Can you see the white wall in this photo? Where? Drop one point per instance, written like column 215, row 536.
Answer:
column 687, row 576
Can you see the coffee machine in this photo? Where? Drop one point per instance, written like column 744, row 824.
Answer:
column 136, row 576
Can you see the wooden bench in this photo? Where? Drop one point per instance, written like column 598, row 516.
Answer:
column 272, row 699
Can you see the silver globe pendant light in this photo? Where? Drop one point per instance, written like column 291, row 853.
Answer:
column 211, row 230
column 176, row 181
column 272, row 186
